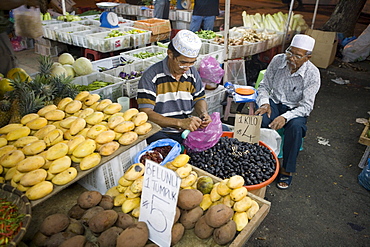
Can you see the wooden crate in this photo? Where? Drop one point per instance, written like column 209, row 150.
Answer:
column 363, row 138
column 156, row 26
column 189, row 238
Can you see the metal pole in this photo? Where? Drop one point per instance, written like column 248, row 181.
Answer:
column 287, row 25
column 226, row 36
column 63, row 7
column 314, row 14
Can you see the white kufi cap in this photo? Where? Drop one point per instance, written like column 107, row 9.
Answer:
column 303, row 41
column 187, row 43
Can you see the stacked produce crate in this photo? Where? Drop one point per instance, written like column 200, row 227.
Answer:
column 161, row 29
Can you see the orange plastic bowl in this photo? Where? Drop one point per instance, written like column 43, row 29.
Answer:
column 268, row 181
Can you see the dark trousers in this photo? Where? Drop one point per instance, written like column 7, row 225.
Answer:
column 294, row 131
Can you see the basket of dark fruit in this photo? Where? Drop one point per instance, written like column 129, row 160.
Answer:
column 256, row 163
column 160, row 151
column 15, row 215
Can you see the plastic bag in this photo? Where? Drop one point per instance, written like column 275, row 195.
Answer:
column 358, row 49
column 203, row 139
column 175, row 151
column 271, row 138
column 210, row 70
column 364, row 176
column 27, row 22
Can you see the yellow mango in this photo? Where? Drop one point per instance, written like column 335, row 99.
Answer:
column 55, row 115
column 128, row 138
column 74, row 142
column 235, row 182
column 9, row 127
column 30, row 163
column 125, row 182
column 23, row 141
column 206, row 202
column 95, row 130
column 95, row 118
column 41, row 133
column 108, row 148
column 6, row 149
column 117, row 136
column 189, row 180
column 228, row 201
column 114, row 121
column 136, row 212
column 75, row 159
column 57, row 151
column 73, row 106
column 124, row 126
column 22, row 188
column 143, row 129
column 53, row 137
column 102, row 104
column 66, row 123
column 140, row 118
column 134, row 172
column 184, row 171
column 137, row 185
column 39, row 190
column 241, row 220
column 86, row 112
column 84, row 132
column 50, row 176
column 243, row 205
column 105, row 137
column 91, row 99
column 37, row 123
column 17, row 176
column 223, row 189
column 10, row 173
column 77, row 125
column 214, row 194
column 180, row 160
column 35, row 147
column 113, row 192
column 46, row 109
column 29, row 117
column 67, row 135
column 65, row 176
column 238, row 194
column 81, row 95
column 33, row 177
column 112, row 108
column 60, row 164
column 84, row 149
column 3, row 142
column 18, row 133
column 129, row 204
column 128, row 114
column 119, row 199
column 63, row 102
column 90, row 161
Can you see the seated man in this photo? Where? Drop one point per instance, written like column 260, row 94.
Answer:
column 171, row 89
column 286, row 97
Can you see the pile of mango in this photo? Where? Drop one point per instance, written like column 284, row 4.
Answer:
column 48, row 147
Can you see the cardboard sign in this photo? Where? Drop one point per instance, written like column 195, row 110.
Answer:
column 247, row 128
column 158, row 201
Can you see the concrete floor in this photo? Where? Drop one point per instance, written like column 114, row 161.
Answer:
column 325, row 205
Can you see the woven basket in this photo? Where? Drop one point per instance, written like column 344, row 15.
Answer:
column 16, row 197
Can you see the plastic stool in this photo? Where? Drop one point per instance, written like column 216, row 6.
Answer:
column 230, row 100
column 95, row 55
column 281, row 133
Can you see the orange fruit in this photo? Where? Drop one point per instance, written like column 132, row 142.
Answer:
column 18, row 72
column 5, row 85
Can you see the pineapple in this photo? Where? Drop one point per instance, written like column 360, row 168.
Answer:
column 43, row 86
column 5, row 112
column 45, row 63
column 64, row 88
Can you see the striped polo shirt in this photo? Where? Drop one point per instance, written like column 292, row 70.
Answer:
column 160, row 91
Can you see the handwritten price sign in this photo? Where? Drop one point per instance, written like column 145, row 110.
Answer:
column 247, row 128
column 158, row 201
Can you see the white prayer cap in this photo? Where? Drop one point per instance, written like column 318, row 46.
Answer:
column 187, row 43
column 303, row 41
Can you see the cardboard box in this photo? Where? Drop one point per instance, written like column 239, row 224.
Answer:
column 325, row 48
column 156, row 26
column 57, row 5
column 159, row 37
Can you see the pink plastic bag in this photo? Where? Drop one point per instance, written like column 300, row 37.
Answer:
column 210, row 70
column 203, row 139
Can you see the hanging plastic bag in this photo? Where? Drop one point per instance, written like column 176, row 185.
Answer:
column 175, row 150
column 210, row 70
column 203, row 139
column 364, row 176
column 27, row 22
column 358, row 49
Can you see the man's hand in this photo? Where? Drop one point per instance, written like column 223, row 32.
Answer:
column 263, row 109
column 278, row 123
column 192, row 123
column 206, row 119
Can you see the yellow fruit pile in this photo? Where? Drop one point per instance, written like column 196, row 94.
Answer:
column 39, row 152
column 13, row 74
column 230, row 192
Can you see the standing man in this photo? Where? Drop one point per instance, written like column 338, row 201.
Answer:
column 162, row 9
column 286, row 97
column 205, row 11
column 8, row 58
column 170, row 90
